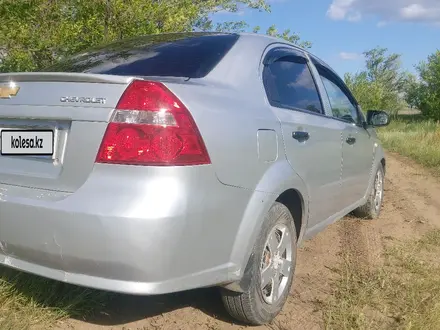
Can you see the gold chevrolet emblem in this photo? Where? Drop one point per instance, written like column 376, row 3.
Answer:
column 6, row 92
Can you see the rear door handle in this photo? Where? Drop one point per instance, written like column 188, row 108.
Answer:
column 301, row 136
column 351, row 140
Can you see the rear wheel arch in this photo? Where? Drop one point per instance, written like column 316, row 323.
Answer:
column 280, row 181
column 374, row 199
column 294, row 201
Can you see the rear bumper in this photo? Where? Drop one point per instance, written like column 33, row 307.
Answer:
column 172, row 231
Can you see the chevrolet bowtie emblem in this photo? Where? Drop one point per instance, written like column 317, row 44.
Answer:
column 6, row 92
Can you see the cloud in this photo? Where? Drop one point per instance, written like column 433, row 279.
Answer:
column 420, row 11
column 355, row 17
column 350, row 56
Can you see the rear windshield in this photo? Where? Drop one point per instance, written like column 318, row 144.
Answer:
column 191, row 55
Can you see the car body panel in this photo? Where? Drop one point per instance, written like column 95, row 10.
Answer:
column 232, row 141
column 46, row 95
column 323, row 182
column 267, row 145
column 357, row 159
column 142, row 234
column 357, row 163
column 280, row 177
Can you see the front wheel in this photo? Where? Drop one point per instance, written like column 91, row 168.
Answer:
column 272, row 265
column 371, row 209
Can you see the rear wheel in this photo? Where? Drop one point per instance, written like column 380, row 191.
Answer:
column 371, row 209
column 272, row 266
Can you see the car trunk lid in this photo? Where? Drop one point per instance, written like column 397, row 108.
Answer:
column 76, row 107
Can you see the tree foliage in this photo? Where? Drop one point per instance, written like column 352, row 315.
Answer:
column 35, row 33
column 382, row 84
column 412, row 91
column 427, row 91
column 286, row 35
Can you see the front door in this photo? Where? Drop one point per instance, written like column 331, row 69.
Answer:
column 357, row 145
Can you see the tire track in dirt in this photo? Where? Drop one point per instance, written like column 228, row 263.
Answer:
column 407, row 209
column 361, row 244
column 412, row 191
column 410, row 209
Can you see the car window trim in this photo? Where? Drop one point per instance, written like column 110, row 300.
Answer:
column 278, row 53
column 320, row 66
column 319, row 114
column 286, row 107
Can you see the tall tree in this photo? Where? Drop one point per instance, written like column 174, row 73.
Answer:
column 385, row 68
column 382, row 84
column 35, row 33
column 412, row 91
column 429, row 87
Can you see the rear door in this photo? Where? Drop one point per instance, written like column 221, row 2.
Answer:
column 357, row 150
column 312, row 140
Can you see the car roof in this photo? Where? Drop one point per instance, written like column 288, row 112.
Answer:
column 240, row 63
column 268, row 38
column 271, row 39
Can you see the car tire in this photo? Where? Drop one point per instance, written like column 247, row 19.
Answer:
column 371, row 209
column 272, row 259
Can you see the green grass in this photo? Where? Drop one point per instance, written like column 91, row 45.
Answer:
column 28, row 301
column 404, row 294
column 414, row 137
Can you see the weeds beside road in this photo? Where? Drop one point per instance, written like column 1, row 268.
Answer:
column 414, row 137
column 402, row 294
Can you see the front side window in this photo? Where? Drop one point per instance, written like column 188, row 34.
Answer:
column 341, row 105
column 289, row 84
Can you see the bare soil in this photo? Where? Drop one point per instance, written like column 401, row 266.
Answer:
column 411, row 208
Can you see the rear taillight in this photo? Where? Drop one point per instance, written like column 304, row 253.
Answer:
column 151, row 126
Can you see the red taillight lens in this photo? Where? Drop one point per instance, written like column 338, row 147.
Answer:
column 151, row 126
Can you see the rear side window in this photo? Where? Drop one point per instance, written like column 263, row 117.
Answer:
column 289, row 84
column 191, row 55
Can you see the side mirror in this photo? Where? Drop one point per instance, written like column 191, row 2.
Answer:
column 377, row 118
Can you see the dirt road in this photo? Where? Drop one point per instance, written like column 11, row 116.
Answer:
column 411, row 208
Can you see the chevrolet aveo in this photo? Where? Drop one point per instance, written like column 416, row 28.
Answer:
column 178, row 161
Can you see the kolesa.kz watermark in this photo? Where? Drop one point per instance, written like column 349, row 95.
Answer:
column 20, row 142
column 27, row 142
